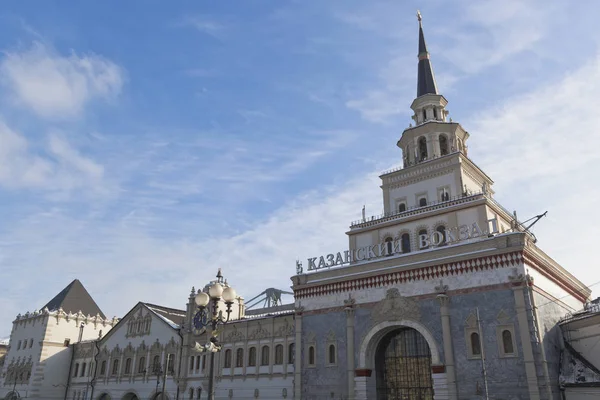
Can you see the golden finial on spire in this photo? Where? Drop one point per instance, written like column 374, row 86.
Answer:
column 419, row 17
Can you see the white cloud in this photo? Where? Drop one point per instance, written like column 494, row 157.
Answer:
column 54, row 86
column 205, row 25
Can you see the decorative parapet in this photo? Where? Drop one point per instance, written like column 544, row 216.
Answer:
column 60, row 314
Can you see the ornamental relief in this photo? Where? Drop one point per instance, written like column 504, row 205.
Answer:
column 395, row 307
column 259, row 333
column 286, row 330
column 235, row 335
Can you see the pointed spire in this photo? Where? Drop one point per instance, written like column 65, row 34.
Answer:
column 425, row 80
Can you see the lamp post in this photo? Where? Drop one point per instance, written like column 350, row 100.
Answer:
column 210, row 302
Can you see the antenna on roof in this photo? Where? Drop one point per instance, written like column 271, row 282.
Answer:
column 520, row 225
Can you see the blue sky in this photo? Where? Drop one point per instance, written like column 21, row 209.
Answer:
column 145, row 144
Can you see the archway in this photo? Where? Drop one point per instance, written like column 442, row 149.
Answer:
column 161, row 396
column 14, row 395
column 104, row 396
column 131, row 396
column 403, row 366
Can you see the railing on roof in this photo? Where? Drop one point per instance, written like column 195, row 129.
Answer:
column 377, row 219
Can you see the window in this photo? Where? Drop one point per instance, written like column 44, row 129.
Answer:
column 441, row 238
column 198, row 362
column 103, row 368
column 279, row 354
column 252, row 357
column 82, row 369
column 128, row 366
column 203, row 363
column 191, row 363
column 422, row 202
column 171, row 363
column 434, row 113
column 142, row 365
column 115, row 368
column 475, row 344
column 443, row 145
column 90, row 369
column 239, row 358
column 76, row 370
column 156, row 362
column 67, row 342
column 147, row 326
column 507, row 342
column 198, row 393
column 30, row 343
column 424, row 115
column 422, row 244
column 405, row 239
column 227, row 359
column 422, row 148
column 291, row 353
column 389, row 245
column 191, row 393
column 311, row 355
column 19, row 345
column 401, row 207
column 331, row 354
column 264, row 355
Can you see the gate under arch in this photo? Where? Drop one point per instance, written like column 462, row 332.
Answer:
column 403, row 366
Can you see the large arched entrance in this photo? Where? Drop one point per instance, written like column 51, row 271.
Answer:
column 403, row 366
column 131, row 396
column 104, row 396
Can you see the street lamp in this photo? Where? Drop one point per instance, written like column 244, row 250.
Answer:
column 210, row 302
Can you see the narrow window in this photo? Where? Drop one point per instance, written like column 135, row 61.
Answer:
column 227, row 359
column 389, row 246
column 191, row 393
column 103, row 368
column 203, row 363
column 443, row 145
column 424, row 115
column 422, row 148
column 82, row 369
column 405, row 243
column 422, row 232
column 239, row 358
column 198, row 393
column 401, row 207
column 30, row 343
column 191, row 363
column 434, row 113
column 252, row 357
column 311, row 355
column 19, row 345
column 156, row 363
column 171, row 363
column 76, row 370
column 115, row 369
column 422, row 202
column 128, row 366
column 264, row 356
column 442, row 230
column 331, row 354
column 475, row 344
column 507, row 342
column 142, row 365
column 198, row 362
column 279, row 354
column 291, row 353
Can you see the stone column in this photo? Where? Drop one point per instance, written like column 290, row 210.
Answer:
column 298, row 355
column 518, row 286
column 444, row 300
column 349, row 307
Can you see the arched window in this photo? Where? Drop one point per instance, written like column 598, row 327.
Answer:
column 291, row 353
column 82, row 369
column 389, row 244
column 191, row 393
column 442, row 236
column 279, row 354
column 239, row 358
column 128, row 366
column 475, row 344
column 203, row 363
column 507, row 342
column 252, row 357
column 142, row 365
column 115, row 368
column 147, row 327
column 434, row 113
column 191, row 363
column 264, row 355
column 156, row 362
column 424, row 115
column 198, row 393
column 422, row 202
column 171, row 363
column 331, row 354
column 422, row 148
column 421, row 233
column 443, row 145
column 76, row 370
column 311, row 355
column 103, row 368
column 401, row 207
column 227, row 359
column 405, row 238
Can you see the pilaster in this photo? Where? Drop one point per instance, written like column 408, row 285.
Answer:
column 349, row 308
column 298, row 355
column 444, row 301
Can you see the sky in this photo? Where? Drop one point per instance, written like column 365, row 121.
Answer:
column 145, row 144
